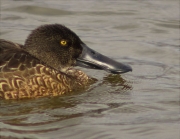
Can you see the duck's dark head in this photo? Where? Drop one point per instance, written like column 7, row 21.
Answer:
column 60, row 48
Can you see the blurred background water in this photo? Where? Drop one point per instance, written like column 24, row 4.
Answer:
column 143, row 104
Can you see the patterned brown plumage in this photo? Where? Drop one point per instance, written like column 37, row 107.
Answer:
column 23, row 76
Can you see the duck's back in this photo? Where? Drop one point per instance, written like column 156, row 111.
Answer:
column 24, row 76
column 13, row 58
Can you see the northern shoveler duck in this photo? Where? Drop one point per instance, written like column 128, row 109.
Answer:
column 43, row 66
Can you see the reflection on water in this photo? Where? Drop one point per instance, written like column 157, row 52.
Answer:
column 117, row 81
column 16, row 107
column 30, row 116
column 141, row 104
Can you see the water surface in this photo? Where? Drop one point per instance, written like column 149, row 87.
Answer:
column 143, row 104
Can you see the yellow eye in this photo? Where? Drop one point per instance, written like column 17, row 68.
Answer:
column 63, row 42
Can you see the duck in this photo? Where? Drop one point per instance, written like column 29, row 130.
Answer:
column 45, row 64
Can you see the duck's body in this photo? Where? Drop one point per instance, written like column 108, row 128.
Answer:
column 24, row 76
column 43, row 66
